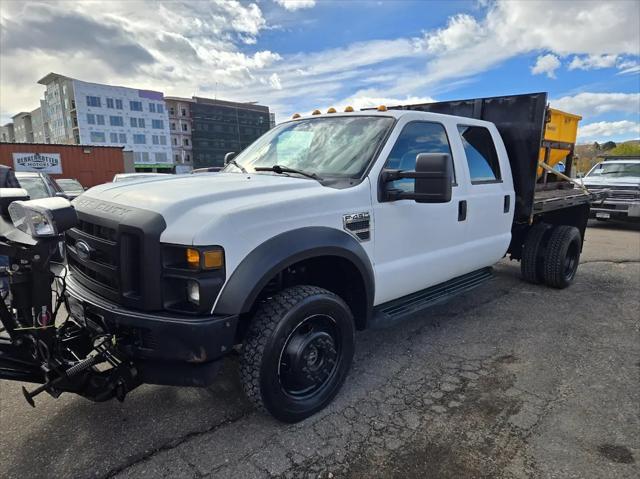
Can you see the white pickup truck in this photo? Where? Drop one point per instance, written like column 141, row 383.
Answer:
column 327, row 224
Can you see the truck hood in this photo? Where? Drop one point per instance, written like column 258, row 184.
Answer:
column 176, row 195
column 603, row 182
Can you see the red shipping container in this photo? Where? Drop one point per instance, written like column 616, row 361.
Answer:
column 89, row 164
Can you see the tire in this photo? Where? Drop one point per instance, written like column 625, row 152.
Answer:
column 532, row 262
column 297, row 352
column 562, row 256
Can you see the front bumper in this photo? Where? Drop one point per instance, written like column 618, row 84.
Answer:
column 165, row 348
column 613, row 208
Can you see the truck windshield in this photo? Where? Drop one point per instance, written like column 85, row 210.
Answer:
column 329, row 147
column 616, row 170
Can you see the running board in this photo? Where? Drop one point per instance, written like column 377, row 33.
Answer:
column 390, row 313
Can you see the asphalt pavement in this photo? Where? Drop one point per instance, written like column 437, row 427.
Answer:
column 509, row 380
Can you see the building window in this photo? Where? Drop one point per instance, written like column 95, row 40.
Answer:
column 133, row 122
column 97, row 137
column 73, row 104
column 118, row 104
column 161, row 157
column 173, row 126
column 139, row 139
column 172, row 111
column 123, row 137
column 184, row 112
column 187, row 158
column 185, row 127
column 91, row 118
column 186, row 142
column 157, row 124
column 135, row 105
column 113, row 137
column 93, row 101
column 140, row 122
column 163, row 140
column 140, row 157
column 155, row 140
column 160, row 108
column 152, row 107
column 175, row 141
column 100, row 119
column 109, row 102
column 177, row 157
column 116, row 121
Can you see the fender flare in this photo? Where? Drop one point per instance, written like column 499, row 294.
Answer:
column 254, row 272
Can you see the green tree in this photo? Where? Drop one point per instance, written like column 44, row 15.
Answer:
column 609, row 145
column 626, row 149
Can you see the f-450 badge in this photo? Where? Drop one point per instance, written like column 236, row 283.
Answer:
column 358, row 224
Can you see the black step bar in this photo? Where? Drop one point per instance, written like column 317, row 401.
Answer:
column 394, row 311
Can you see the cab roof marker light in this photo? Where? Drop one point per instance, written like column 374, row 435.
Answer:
column 316, row 112
column 331, row 110
column 295, row 116
column 382, row 108
column 348, row 109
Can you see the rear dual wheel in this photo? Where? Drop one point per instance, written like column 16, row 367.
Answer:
column 297, row 352
column 551, row 255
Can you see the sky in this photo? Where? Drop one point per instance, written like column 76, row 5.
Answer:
column 299, row 55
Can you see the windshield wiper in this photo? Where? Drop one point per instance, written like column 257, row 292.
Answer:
column 285, row 169
column 237, row 165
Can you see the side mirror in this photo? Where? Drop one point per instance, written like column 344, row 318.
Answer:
column 61, row 194
column 228, row 157
column 432, row 177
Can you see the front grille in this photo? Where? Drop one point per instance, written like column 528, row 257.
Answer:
column 621, row 193
column 105, row 261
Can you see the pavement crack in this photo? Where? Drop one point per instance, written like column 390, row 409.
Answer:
column 137, row 459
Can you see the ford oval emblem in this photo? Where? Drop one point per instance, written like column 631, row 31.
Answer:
column 83, row 250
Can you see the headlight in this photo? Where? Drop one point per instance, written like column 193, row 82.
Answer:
column 43, row 218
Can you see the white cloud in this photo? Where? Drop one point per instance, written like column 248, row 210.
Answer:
column 593, row 62
column 293, row 5
column 461, row 31
column 548, row 64
column 274, row 81
column 512, row 28
column 628, row 66
column 605, row 130
column 593, row 104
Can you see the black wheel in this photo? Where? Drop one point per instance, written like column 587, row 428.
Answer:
column 297, row 352
column 562, row 256
column 531, row 263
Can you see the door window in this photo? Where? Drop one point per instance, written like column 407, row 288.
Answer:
column 481, row 154
column 417, row 137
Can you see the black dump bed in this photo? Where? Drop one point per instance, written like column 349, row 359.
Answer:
column 520, row 119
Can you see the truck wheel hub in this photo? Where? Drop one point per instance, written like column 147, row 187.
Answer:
column 309, row 356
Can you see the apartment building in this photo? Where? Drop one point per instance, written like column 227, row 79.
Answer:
column 179, row 110
column 95, row 114
column 40, row 124
column 6, row 133
column 219, row 127
column 22, row 127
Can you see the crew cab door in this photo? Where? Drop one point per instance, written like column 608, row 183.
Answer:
column 490, row 195
column 417, row 245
